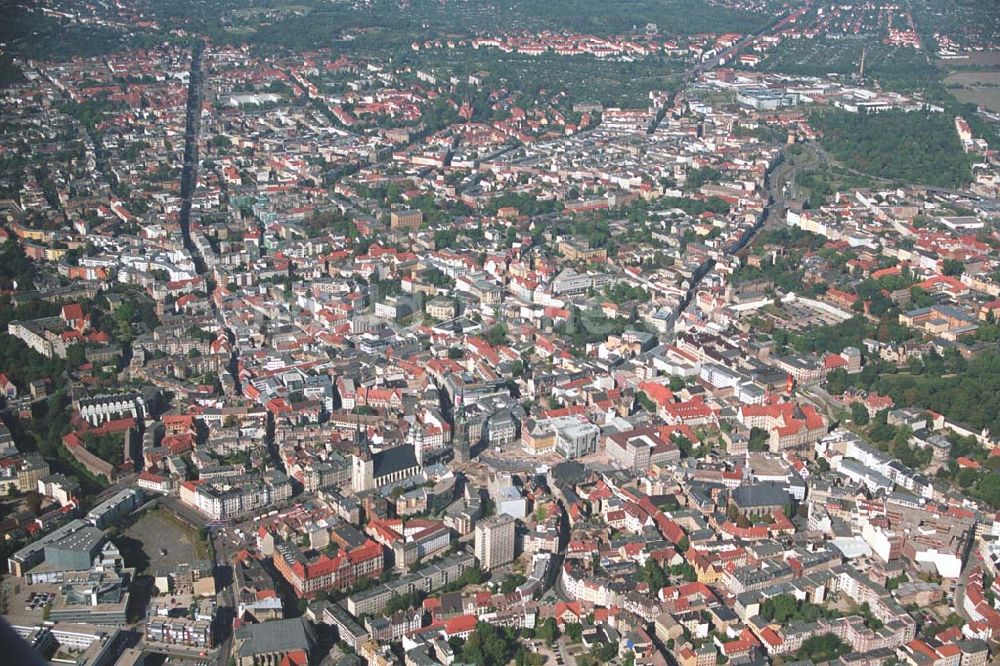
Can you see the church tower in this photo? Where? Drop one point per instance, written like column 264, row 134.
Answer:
column 460, row 437
column 362, row 471
column 362, row 463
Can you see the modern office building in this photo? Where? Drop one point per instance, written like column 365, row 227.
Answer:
column 495, row 541
column 76, row 551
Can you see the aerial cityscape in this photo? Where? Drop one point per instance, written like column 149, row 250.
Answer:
column 535, row 332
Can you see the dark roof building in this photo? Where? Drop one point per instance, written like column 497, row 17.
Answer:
column 270, row 642
column 760, row 497
column 395, row 460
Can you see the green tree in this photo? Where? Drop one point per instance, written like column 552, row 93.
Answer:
column 549, row 631
column 472, row 576
column 400, row 602
column 645, row 403
column 779, row 609
column 685, row 571
column 987, row 489
column 488, row 646
column 497, row 335
column 859, row 413
column 910, row 147
column 825, row 647
column 605, row 652
column 759, row 439
column 653, row 575
column 511, row 583
column 953, row 267
column 966, row 477
column 123, row 318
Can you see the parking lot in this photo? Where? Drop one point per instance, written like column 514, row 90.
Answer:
column 37, row 601
column 25, row 604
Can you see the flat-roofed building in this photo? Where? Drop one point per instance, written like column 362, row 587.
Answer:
column 495, row 541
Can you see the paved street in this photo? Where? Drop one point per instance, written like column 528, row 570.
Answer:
column 226, row 598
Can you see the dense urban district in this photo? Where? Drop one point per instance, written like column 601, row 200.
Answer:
column 439, row 333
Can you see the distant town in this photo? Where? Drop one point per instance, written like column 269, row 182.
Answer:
column 444, row 333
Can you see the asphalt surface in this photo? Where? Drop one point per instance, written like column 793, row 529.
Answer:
column 226, row 600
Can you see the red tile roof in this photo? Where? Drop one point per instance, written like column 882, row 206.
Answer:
column 460, row 624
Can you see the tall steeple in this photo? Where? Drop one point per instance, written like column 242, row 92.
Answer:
column 460, row 436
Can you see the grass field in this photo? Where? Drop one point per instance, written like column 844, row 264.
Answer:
column 975, row 79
